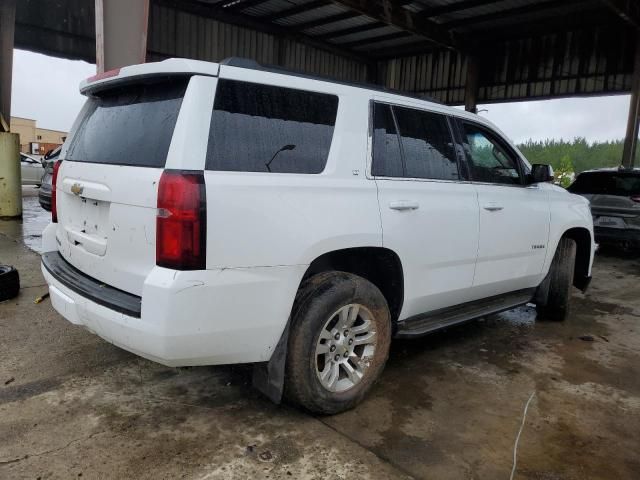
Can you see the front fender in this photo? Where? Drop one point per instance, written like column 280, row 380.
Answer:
column 570, row 214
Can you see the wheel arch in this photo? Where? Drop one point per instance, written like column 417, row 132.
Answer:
column 584, row 241
column 381, row 266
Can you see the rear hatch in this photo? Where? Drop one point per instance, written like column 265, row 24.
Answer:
column 614, row 197
column 107, row 183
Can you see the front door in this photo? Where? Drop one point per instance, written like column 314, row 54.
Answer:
column 429, row 214
column 514, row 216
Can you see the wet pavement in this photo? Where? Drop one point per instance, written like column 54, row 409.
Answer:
column 448, row 406
column 34, row 220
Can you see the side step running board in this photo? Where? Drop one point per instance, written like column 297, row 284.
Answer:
column 431, row 321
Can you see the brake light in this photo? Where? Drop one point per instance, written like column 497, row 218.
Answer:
column 54, row 195
column 635, row 198
column 181, row 228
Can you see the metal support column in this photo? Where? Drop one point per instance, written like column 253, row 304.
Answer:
column 121, row 33
column 631, row 139
column 7, row 29
column 10, row 181
column 472, row 85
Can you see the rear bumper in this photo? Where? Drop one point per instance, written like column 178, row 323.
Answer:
column 617, row 235
column 186, row 318
column 89, row 288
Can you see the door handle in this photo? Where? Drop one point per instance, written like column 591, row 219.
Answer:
column 493, row 207
column 404, row 205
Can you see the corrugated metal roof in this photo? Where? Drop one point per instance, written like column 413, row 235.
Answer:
column 512, row 12
column 315, row 14
column 526, row 48
column 373, row 45
column 340, row 25
column 369, row 34
column 269, row 7
column 492, row 7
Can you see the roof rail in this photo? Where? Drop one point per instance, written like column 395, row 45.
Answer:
column 251, row 64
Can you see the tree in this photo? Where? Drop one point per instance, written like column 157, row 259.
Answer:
column 564, row 172
column 581, row 154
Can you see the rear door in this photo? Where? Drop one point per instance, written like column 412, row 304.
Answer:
column 429, row 212
column 107, row 184
column 514, row 217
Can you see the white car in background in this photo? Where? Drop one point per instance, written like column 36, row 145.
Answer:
column 228, row 213
column 31, row 169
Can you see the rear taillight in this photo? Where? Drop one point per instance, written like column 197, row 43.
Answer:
column 635, row 198
column 54, row 195
column 181, row 224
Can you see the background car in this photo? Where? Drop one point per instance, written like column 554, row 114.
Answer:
column 31, row 168
column 44, row 196
column 615, row 204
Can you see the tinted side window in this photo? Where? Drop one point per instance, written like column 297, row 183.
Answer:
column 130, row 125
column 489, row 161
column 607, row 183
column 262, row 128
column 387, row 157
column 427, row 144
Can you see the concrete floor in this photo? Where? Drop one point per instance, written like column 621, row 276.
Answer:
column 448, row 406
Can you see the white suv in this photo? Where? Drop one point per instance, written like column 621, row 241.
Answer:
column 224, row 213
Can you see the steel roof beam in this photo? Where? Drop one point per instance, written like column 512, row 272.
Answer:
column 436, row 11
column 238, row 5
column 505, row 14
column 296, row 10
column 350, row 31
column 254, row 23
column 392, row 13
column 372, row 40
column 628, row 10
column 325, row 20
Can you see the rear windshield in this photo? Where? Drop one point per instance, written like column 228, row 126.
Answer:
column 130, row 125
column 607, row 183
column 263, row 128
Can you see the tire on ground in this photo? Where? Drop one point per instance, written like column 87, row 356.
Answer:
column 557, row 304
column 318, row 299
column 9, row 282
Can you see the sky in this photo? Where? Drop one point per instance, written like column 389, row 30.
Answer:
column 46, row 89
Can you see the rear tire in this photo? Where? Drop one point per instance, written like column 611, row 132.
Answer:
column 338, row 343
column 9, row 282
column 558, row 283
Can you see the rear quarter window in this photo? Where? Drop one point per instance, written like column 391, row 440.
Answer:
column 129, row 125
column 264, row 128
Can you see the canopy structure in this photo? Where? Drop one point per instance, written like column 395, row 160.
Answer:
column 456, row 51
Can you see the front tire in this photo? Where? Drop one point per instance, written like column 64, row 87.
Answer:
column 557, row 304
column 338, row 344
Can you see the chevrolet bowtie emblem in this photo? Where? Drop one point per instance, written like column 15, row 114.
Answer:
column 76, row 189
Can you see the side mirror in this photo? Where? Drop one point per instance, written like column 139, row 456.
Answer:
column 541, row 173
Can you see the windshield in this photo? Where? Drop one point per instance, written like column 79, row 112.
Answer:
column 129, row 125
column 607, row 183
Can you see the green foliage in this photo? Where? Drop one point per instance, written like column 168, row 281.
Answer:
column 565, row 172
column 578, row 155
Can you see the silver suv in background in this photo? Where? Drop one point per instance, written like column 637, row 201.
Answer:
column 615, row 204
column 44, row 195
